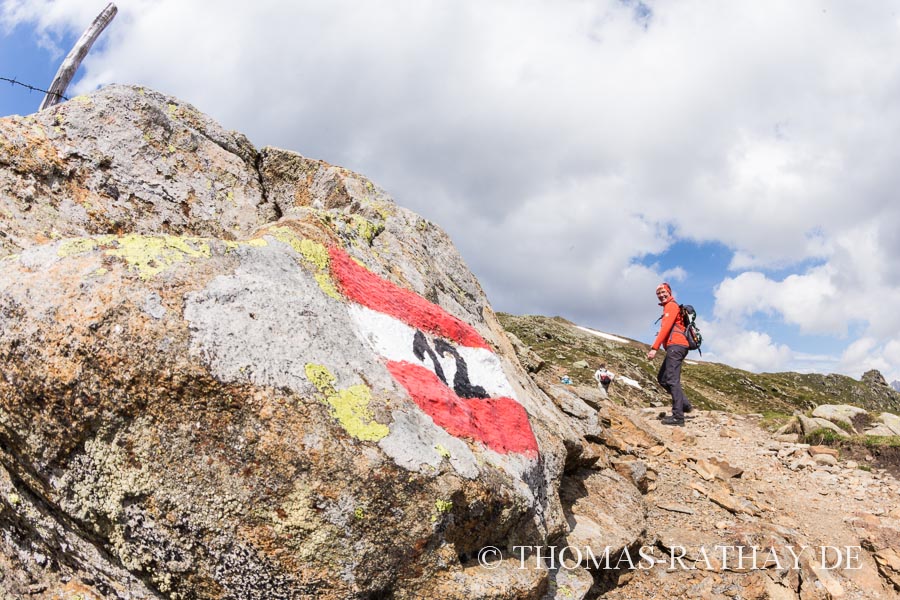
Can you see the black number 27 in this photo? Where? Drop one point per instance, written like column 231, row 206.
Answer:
column 461, row 384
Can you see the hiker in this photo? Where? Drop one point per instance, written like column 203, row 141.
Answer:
column 671, row 337
column 604, row 377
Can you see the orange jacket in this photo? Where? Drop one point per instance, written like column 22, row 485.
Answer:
column 671, row 330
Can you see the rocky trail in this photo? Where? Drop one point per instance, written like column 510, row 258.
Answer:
column 723, row 482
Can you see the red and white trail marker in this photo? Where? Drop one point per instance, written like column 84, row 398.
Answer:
column 444, row 364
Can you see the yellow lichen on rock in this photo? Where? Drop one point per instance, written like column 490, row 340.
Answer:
column 366, row 229
column 321, row 377
column 442, row 507
column 254, row 243
column 76, row 246
column 327, row 285
column 286, row 236
column 313, row 253
column 350, row 406
column 151, row 255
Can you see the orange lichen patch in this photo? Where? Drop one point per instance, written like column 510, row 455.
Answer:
column 76, row 589
column 28, row 149
column 74, row 309
column 302, row 197
column 272, row 544
column 83, row 196
column 308, row 226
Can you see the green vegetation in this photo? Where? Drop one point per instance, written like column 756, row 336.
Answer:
column 709, row 385
column 713, row 386
column 845, row 426
column 773, row 419
column 827, row 437
column 881, row 441
column 824, row 437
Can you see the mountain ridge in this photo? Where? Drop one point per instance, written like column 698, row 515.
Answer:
column 709, row 385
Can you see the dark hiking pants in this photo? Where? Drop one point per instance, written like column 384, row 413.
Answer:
column 669, row 378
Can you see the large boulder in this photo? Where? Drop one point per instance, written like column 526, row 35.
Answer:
column 841, row 413
column 891, row 421
column 809, row 425
column 125, row 160
column 241, row 374
column 604, row 510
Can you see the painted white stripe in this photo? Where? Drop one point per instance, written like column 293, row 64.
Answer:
column 393, row 340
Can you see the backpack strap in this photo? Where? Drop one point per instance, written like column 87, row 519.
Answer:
column 675, row 324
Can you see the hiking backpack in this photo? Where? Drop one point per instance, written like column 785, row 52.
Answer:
column 691, row 331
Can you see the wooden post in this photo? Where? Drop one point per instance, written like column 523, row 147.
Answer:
column 76, row 55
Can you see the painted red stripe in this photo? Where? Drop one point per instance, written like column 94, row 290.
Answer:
column 499, row 423
column 362, row 286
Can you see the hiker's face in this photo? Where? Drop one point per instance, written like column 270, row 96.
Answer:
column 663, row 295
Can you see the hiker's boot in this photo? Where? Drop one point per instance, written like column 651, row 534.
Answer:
column 688, row 409
column 672, row 421
column 665, row 415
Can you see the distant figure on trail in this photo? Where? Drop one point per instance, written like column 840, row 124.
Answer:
column 604, row 377
column 672, row 338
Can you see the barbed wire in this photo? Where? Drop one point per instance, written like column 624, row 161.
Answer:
column 31, row 87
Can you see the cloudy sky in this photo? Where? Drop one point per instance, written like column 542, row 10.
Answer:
column 578, row 152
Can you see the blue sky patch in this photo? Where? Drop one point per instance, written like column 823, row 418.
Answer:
column 705, row 265
column 22, row 59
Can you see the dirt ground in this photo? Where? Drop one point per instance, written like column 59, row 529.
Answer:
column 782, row 498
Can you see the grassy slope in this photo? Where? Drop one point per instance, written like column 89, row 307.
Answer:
column 708, row 385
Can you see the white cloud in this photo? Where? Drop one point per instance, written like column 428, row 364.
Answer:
column 856, row 288
column 560, row 144
column 748, row 350
column 869, row 353
column 808, row 300
column 862, row 355
column 676, row 274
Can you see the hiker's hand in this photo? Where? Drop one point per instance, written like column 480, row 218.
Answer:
column 651, row 355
